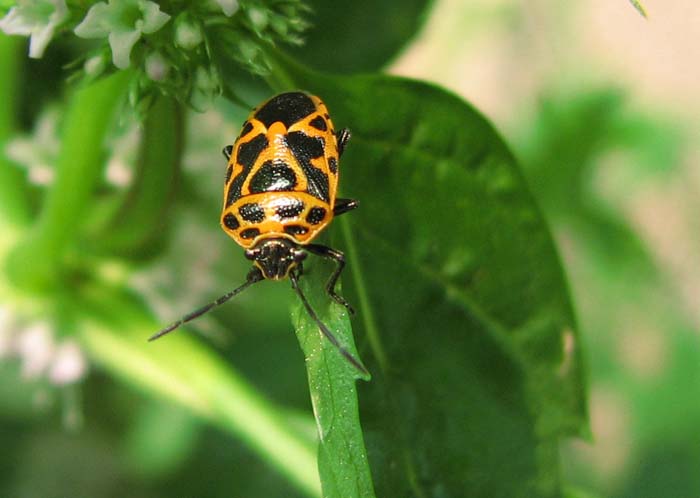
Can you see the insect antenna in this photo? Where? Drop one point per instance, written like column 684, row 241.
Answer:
column 254, row 276
column 329, row 335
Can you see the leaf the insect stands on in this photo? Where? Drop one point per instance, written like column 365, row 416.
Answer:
column 459, row 288
column 342, row 458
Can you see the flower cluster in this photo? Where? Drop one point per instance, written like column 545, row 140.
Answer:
column 182, row 49
column 123, row 23
column 37, row 19
column 41, row 354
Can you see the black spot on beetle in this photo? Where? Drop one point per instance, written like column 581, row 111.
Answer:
column 252, row 212
column 305, row 148
column 291, row 209
column 234, row 191
column 247, row 127
column 295, row 230
column 304, row 145
column 248, row 152
column 316, row 215
column 231, row 222
column 229, row 171
column 273, row 176
column 333, row 165
column 250, row 233
column 319, row 123
column 287, row 108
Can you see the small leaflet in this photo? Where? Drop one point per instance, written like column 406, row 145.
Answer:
column 640, row 8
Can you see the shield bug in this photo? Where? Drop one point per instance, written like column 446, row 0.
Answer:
column 280, row 193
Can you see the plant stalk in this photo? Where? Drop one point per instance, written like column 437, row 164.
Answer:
column 35, row 263
column 14, row 203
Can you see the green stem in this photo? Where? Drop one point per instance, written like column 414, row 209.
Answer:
column 180, row 369
column 136, row 224
column 14, row 204
column 34, row 262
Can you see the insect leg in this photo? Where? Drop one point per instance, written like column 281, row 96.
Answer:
column 339, row 258
column 326, row 332
column 344, row 205
column 227, row 151
column 254, row 276
column 343, row 137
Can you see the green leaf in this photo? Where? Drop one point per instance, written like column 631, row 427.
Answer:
column 571, row 492
column 342, row 458
column 640, row 8
column 368, row 33
column 461, row 296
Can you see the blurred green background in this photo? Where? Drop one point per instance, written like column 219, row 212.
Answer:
column 602, row 108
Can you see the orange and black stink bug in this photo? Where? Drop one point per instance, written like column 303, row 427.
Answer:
column 280, row 193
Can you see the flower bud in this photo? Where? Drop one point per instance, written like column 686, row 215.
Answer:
column 188, row 34
column 95, row 65
column 157, row 68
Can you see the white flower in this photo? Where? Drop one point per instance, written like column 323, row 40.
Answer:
column 38, row 151
column 35, row 346
column 259, row 17
column 205, row 88
column 188, row 34
column 157, row 68
column 95, row 65
column 69, row 364
column 228, row 6
column 37, row 19
column 40, row 355
column 123, row 22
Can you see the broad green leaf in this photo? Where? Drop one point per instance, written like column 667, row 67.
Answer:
column 342, row 458
column 359, row 36
column 577, row 493
column 461, row 296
